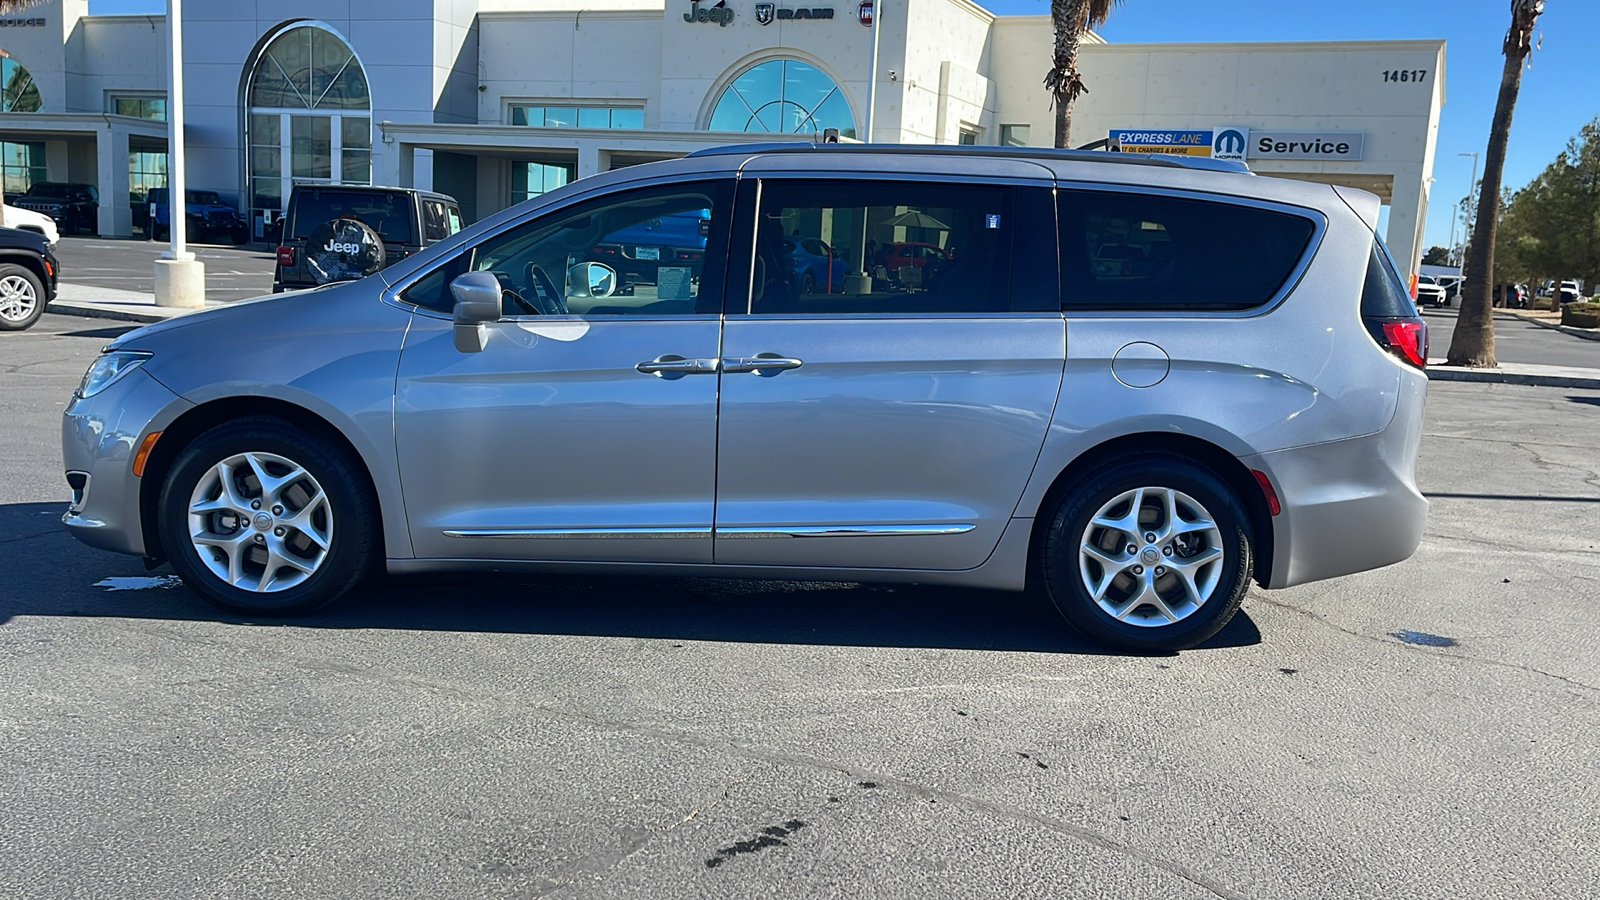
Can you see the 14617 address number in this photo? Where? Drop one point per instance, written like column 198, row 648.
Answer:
column 1402, row 75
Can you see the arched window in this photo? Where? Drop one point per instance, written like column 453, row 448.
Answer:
column 782, row 96
column 310, row 115
column 18, row 93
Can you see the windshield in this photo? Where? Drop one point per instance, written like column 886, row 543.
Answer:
column 58, row 191
column 204, row 198
column 387, row 213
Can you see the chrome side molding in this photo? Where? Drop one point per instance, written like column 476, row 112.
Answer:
column 589, row 533
column 812, row 531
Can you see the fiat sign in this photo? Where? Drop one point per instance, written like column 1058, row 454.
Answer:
column 864, row 13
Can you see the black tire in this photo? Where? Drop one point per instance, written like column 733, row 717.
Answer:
column 23, row 320
column 353, row 510
column 1069, row 527
column 808, row 283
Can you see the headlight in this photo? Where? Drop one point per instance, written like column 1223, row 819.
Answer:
column 108, row 368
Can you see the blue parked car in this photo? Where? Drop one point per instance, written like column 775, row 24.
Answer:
column 209, row 218
column 637, row 252
column 815, row 264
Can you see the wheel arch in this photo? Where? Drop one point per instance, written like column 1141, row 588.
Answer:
column 1226, row 465
column 206, row 416
column 32, row 262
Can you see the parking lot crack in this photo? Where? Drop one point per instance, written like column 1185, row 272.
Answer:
column 1463, row 657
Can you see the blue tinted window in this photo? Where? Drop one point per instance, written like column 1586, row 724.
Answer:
column 782, row 96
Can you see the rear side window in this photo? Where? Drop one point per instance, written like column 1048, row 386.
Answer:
column 388, row 213
column 907, row 247
column 1128, row 251
column 438, row 222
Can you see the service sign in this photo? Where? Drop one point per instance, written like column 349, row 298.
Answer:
column 1177, row 143
column 1306, row 144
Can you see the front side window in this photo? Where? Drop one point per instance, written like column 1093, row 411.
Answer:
column 659, row 251
column 881, row 247
column 1130, row 251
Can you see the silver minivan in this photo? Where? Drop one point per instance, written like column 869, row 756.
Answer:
column 1138, row 382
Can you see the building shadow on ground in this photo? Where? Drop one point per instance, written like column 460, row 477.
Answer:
column 47, row 572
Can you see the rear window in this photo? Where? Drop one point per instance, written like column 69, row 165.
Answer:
column 1128, row 251
column 389, row 214
column 1384, row 295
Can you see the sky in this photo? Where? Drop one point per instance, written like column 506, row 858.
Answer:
column 1560, row 89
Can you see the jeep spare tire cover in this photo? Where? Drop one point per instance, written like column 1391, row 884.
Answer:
column 342, row 250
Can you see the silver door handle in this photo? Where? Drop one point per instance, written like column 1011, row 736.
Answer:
column 674, row 366
column 761, row 364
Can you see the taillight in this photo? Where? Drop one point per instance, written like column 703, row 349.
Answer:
column 285, row 256
column 1406, row 338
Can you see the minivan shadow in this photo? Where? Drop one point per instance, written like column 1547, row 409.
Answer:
column 48, row 573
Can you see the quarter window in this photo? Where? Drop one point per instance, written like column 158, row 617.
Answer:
column 881, row 247
column 1129, row 251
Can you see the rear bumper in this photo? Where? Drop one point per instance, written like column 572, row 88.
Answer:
column 1352, row 505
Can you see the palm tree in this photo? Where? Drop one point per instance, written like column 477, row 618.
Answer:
column 1473, row 343
column 1071, row 18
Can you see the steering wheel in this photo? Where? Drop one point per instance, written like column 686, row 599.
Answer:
column 508, row 290
column 557, row 299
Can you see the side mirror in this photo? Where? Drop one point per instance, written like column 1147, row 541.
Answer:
column 592, row 279
column 477, row 296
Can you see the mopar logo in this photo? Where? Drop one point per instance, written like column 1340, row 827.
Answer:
column 1230, row 143
column 333, row 247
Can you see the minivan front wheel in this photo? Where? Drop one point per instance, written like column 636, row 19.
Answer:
column 260, row 517
column 1149, row 553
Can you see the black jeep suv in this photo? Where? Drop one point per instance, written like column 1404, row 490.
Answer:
column 376, row 226
column 28, row 273
column 75, row 207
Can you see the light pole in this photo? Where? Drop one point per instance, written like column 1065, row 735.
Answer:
column 872, row 74
column 180, row 278
column 1466, row 214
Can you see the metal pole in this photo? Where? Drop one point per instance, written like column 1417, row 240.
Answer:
column 1469, row 213
column 177, row 199
column 872, row 74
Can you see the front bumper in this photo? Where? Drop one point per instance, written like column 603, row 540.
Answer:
column 99, row 437
column 1351, row 505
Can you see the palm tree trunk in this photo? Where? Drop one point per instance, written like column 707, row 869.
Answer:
column 1063, row 82
column 1473, row 341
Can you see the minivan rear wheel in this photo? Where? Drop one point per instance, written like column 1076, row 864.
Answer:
column 258, row 516
column 1149, row 553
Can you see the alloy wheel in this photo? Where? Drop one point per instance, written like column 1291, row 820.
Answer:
column 1151, row 556
column 18, row 299
column 260, row 522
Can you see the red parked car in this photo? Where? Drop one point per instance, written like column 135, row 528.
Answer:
column 908, row 253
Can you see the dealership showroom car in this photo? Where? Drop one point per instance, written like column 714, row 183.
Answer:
column 1240, row 400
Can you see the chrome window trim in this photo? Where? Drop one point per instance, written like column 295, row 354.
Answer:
column 585, row 533
column 1319, row 222
column 814, row 531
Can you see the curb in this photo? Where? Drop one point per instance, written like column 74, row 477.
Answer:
column 1588, row 334
column 68, row 308
column 1496, row 376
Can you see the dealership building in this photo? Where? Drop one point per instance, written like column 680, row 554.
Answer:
column 494, row 101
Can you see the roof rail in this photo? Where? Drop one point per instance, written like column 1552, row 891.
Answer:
column 1094, row 156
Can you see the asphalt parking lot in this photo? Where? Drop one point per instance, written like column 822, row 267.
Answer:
column 232, row 273
column 1516, row 341
column 1431, row 729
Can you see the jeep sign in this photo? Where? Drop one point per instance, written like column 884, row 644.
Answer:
column 1306, row 144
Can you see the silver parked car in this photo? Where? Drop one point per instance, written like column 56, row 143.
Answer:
column 1236, row 395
